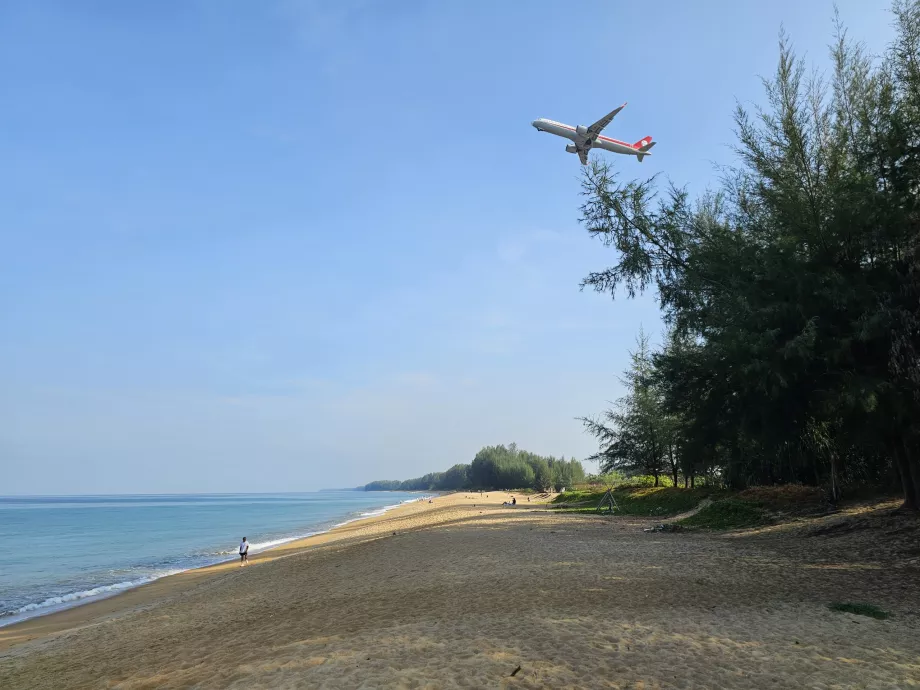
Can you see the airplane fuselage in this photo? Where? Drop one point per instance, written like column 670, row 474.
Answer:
column 581, row 140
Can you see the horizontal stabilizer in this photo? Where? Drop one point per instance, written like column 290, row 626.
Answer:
column 644, row 150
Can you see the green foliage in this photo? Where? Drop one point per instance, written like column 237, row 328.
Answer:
column 636, row 435
column 728, row 513
column 611, row 478
column 791, row 292
column 495, row 468
column 500, row 467
column 384, row 485
column 542, row 477
column 454, row 479
column 648, row 480
column 860, row 610
column 565, row 473
column 579, row 495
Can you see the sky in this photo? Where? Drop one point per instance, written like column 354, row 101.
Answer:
column 285, row 246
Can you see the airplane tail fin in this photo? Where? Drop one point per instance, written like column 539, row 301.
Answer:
column 644, row 145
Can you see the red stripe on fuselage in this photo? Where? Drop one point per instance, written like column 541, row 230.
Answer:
column 615, row 141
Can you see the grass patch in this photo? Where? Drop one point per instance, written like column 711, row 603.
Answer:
column 729, row 509
column 578, row 495
column 860, row 610
column 729, row 513
column 645, row 501
column 789, row 499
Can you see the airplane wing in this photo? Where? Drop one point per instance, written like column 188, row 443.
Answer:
column 596, row 128
column 583, row 156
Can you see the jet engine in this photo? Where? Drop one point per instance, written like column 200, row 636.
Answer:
column 581, row 130
column 571, row 148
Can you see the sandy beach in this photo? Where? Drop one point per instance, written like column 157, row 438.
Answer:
column 464, row 592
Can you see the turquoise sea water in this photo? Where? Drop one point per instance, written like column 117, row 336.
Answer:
column 65, row 550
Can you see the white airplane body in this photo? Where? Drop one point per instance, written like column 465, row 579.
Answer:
column 586, row 138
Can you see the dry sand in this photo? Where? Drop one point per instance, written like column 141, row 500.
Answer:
column 461, row 596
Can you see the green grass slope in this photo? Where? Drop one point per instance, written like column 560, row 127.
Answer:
column 646, row 501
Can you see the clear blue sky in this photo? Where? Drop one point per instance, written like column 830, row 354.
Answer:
column 294, row 245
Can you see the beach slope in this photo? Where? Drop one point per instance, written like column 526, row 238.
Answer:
column 467, row 593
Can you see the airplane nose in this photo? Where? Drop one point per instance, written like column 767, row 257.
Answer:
column 534, row 124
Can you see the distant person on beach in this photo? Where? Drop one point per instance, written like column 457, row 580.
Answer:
column 244, row 552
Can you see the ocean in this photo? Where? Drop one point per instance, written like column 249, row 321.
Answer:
column 60, row 551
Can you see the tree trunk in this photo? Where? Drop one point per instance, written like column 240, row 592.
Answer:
column 908, row 484
column 910, row 476
column 656, row 479
column 913, row 463
column 673, row 464
column 692, row 480
column 686, row 481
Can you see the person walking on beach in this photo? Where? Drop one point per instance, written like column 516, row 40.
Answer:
column 244, row 552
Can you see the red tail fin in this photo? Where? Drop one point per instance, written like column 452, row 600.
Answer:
column 644, row 141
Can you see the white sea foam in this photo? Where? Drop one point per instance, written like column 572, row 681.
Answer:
column 379, row 511
column 262, row 545
column 75, row 598
column 64, row 599
column 382, row 511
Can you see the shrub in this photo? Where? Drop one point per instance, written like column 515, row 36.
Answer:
column 860, row 610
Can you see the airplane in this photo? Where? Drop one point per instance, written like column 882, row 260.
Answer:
column 587, row 138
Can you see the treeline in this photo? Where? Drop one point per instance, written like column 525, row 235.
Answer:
column 495, row 468
column 791, row 292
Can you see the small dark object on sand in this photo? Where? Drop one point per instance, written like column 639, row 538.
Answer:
column 514, row 672
column 666, row 527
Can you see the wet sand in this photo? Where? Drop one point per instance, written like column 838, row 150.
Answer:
column 461, row 596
